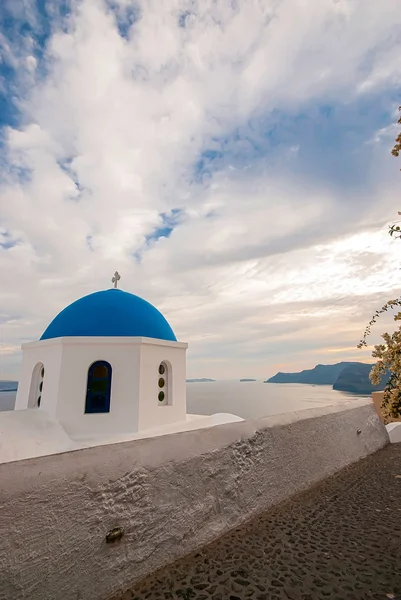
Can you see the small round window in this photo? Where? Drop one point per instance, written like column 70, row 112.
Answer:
column 164, row 384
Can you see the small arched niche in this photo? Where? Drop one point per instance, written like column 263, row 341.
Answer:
column 36, row 387
column 98, row 388
column 164, row 396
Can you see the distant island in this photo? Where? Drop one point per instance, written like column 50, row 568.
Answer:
column 247, row 379
column 203, row 380
column 320, row 375
column 344, row 376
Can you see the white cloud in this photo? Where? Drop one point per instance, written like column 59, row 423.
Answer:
column 110, row 137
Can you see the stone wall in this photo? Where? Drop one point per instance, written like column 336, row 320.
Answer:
column 171, row 494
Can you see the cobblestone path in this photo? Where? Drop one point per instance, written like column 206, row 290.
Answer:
column 340, row 540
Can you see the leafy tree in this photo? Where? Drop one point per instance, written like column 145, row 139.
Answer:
column 389, row 353
column 395, row 229
column 397, row 146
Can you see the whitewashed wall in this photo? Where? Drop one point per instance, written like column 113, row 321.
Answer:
column 171, row 494
column 134, row 389
column 151, row 414
column 50, row 355
column 77, row 357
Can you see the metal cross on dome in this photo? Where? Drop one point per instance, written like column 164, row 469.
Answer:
column 116, row 278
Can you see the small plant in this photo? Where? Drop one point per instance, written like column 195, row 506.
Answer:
column 388, row 355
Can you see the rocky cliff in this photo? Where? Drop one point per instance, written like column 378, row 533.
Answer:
column 344, row 376
column 356, row 379
column 319, row 375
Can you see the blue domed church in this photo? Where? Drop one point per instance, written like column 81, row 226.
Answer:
column 108, row 364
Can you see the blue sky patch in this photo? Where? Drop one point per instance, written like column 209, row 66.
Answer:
column 7, row 241
column 89, row 239
column 208, row 162
column 26, row 29
column 169, row 222
column 66, row 166
column 125, row 16
column 182, row 18
column 323, row 142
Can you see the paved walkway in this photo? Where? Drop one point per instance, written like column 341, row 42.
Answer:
column 341, row 540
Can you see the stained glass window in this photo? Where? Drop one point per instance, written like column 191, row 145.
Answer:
column 98, row 388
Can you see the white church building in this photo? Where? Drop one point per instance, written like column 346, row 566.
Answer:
column 108, row 368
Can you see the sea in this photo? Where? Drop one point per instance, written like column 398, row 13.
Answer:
column 244, row 399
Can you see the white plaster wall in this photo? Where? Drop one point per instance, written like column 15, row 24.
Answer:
column 394, row 432
column 31, row 433
column 171, row 494
column 78, row 355
column 151, row 413
column 134, row 363
column 50, row 354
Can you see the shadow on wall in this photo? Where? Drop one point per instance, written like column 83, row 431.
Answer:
column 35, row 390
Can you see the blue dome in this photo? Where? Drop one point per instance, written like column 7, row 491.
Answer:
column 110, row 313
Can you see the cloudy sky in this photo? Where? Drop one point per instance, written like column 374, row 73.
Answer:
column 231, row 158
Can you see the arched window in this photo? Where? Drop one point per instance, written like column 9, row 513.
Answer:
column 98, row 389
column 164, row 384
column 36, row 388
